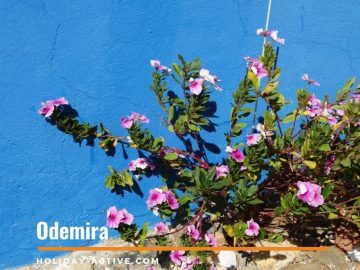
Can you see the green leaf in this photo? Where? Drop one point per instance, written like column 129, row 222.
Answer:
column 195, row 64
column 303, row 97
column 178, row 70
column 289, row 118
column 238, row 128
column 327, row 190
column 193, row 127
column 270, row 87
column 252, row 190
column 211, row 173
column 171, row 156
column 171, row 113
column 219, row 185
column 110, row 183
column 127, row 179
column 346, row 162
column 345, row 90
column 324, row 147
column 229, row 230
column 310, row 164
column 143, row 233
column 332, row 216
column 255, row 201
column 181, row 58
column 254, row 80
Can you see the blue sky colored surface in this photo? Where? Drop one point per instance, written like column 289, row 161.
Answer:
column 96, row 54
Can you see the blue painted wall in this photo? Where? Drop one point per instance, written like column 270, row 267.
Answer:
column 96, row 54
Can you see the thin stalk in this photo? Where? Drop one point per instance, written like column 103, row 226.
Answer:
column 262, row 54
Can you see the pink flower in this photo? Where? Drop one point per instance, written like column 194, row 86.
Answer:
column 332, row 120
column 156, row 197
column 195, row 86
column 157, row 65
column 305, row 77
column 272, row 33
column 310, row 193
column 252, row 228
column 222, row 171
column 274, row 36
column 314, row 102
column 126, row 123
column 171, row 200
column 139, row 163
column 59, row 101
column 257, row 67
column 237, row 155
column 113, row 217
column 151, row 268
column 46, row 109
column 213, row 79
column 253, row 139
column 137, row 117
column 210, row 239
column 316, row 108
column 142, row 163
column 132, row 166
column 212, row 267
column 356, row 97
column 161, row 228
column 190, row 263
column 177, row 257
column 125, row 217
column 326, row 109
column 193, row 232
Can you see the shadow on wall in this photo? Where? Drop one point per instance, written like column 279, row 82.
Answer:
column 65, row 118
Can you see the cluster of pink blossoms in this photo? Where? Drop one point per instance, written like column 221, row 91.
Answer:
column 194, row 233
column 159, row 197
column 139, row 163
column 48, row 107
column 255, row 65
column 272, row 33
column 114, row 217
column 309, row 193
column 317, row 108
column 158, row 66
column 184, row 262
column 127, row 122
column 196, row 85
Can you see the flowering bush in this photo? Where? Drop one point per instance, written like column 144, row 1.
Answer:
column 289, row 175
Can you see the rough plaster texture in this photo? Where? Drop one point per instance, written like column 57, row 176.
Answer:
column 96, row 54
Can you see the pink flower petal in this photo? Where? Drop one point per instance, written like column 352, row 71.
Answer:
column 195, row 86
